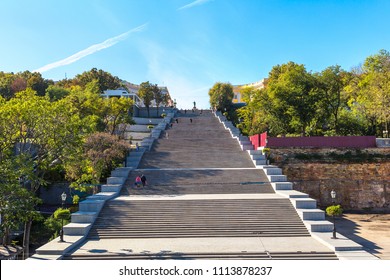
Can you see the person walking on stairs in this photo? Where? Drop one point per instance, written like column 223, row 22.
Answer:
column 138, row 181
column 143, row 180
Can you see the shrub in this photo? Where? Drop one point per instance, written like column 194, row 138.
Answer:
column 334, row 210
column 62, row 214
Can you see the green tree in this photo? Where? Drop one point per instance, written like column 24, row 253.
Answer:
column 158, row 96
column 116, row 114
column 54, row 92
column 375, row 86
column 5, row 84
column 104, row 79
column 16, row 202
column 294, row 95
column 101, row 153
column 146, row 93
column 331, row 82
column 221, row 96
column 43, row 133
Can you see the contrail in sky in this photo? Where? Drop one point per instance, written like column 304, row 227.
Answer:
column 193, row 4
column 90, row 50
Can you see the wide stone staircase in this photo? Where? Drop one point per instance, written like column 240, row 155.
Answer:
column 205, row 199
column 198, row 218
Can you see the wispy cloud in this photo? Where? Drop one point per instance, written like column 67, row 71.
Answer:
column 172, row 67
column 90, row 50
column 193, row 4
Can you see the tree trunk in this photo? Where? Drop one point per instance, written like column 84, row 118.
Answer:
column 147, row 108
column 26, row 239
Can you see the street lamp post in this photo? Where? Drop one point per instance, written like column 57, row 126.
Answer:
column 333, row 195
column 63, row 198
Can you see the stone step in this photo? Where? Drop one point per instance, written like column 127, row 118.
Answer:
column 277, row 178
column 255, row 152
column 319, row 226
column 83, row 217
column 292, row 194
column 246, row 147
column 111, row 188
column 273, row 171
column 130, row 160
column 121, row 172
column 259, row 162
column 243, row 255
column 282, row 186
column 304, row 203
column 102, row 196
column 91, row 205
column 243, row 138
column 133, row 164
column 116, row 180
column 257, row 156
column 245, row 142
column 135, row 153
column 77, row 228
column 311, row 214
column 203, row 218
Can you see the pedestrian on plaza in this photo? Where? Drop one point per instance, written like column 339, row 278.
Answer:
column 191, row 120
column 177, row 120
column 171, row 125
column 143, row 180
column 136, row 147
column 138, row 181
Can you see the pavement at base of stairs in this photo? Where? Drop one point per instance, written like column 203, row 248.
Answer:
column 201, row 245
column 369, row 230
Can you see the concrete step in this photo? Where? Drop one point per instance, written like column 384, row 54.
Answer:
column 111, row 188
column 255, row 152
column 91, row 205
column 131, row 161
column 243, row 255
column 77, row 228
column 257, row 157
column 135, row 153
column 277, row 178
column 103, row 196
column 292, row 194
column 304, row 203
column 319, row 226
column 202, row 218
column 246, row 147
column 259, row 162
column 121, row 172
column 311, row 214
column 243, row 138
column 133, row 164
column 282, row 186
column 83, row 217
column 273, row 171
column 116, row 180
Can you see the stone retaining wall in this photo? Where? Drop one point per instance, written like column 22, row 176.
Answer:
column 360, row 178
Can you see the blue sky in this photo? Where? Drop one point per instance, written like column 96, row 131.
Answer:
column 188, row 45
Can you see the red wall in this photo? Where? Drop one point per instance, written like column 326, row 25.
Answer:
column 255, row 140
column 315, row 141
